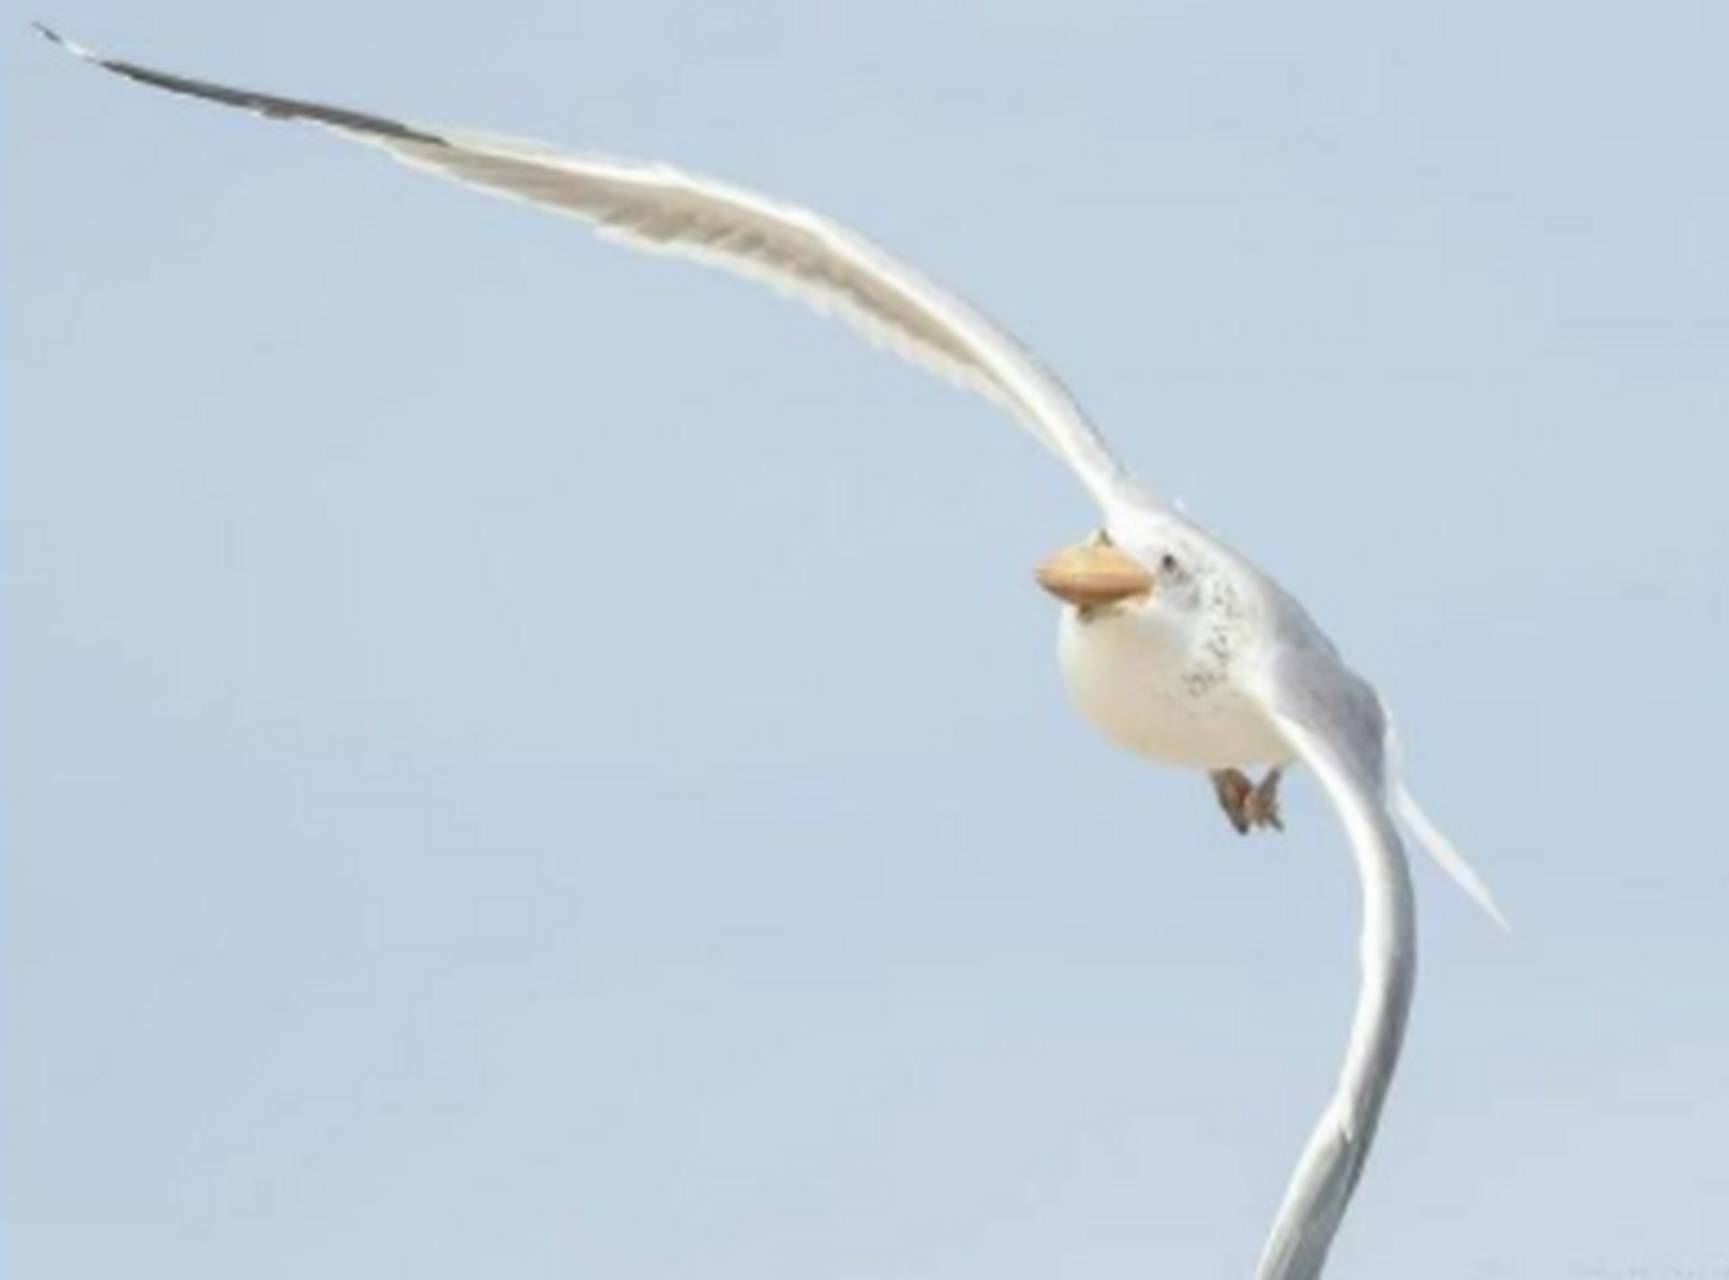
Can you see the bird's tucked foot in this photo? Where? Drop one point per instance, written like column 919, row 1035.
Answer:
column 1249, row 805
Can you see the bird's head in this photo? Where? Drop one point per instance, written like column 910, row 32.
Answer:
column 1099, row 577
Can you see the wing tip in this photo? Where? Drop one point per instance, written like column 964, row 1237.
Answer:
column 271, row 106
column 72, row 47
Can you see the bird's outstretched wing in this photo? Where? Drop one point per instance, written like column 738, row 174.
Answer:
column 660, row 210
column 1335, row 724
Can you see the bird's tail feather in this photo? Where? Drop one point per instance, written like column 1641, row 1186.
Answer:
column 1443, row 851
column 1458, row 867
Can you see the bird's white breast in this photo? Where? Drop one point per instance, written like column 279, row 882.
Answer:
column 1148, row 691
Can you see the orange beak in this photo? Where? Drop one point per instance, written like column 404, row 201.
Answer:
column 1093, row 575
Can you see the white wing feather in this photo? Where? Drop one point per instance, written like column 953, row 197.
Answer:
column 1339, row 733
column 801, row 254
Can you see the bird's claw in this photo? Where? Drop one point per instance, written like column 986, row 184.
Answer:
column 1250, row 806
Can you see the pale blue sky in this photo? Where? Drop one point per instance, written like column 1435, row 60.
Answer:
column 526, row 761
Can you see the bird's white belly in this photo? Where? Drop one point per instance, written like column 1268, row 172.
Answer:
column 1149, row 697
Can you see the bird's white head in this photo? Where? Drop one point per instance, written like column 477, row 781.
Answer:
column 1144, row 579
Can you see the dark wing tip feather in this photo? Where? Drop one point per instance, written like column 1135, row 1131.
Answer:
column 263, row 104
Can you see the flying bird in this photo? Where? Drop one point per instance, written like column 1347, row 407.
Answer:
column 1170, row 642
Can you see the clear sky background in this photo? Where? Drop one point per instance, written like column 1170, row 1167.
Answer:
column 522, row 760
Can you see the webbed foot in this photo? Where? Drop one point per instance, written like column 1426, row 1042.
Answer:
column 1250, row 806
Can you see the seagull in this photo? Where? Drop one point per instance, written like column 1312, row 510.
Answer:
column 1170, row 642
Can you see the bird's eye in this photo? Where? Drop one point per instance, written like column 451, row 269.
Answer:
column 1168, row 563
